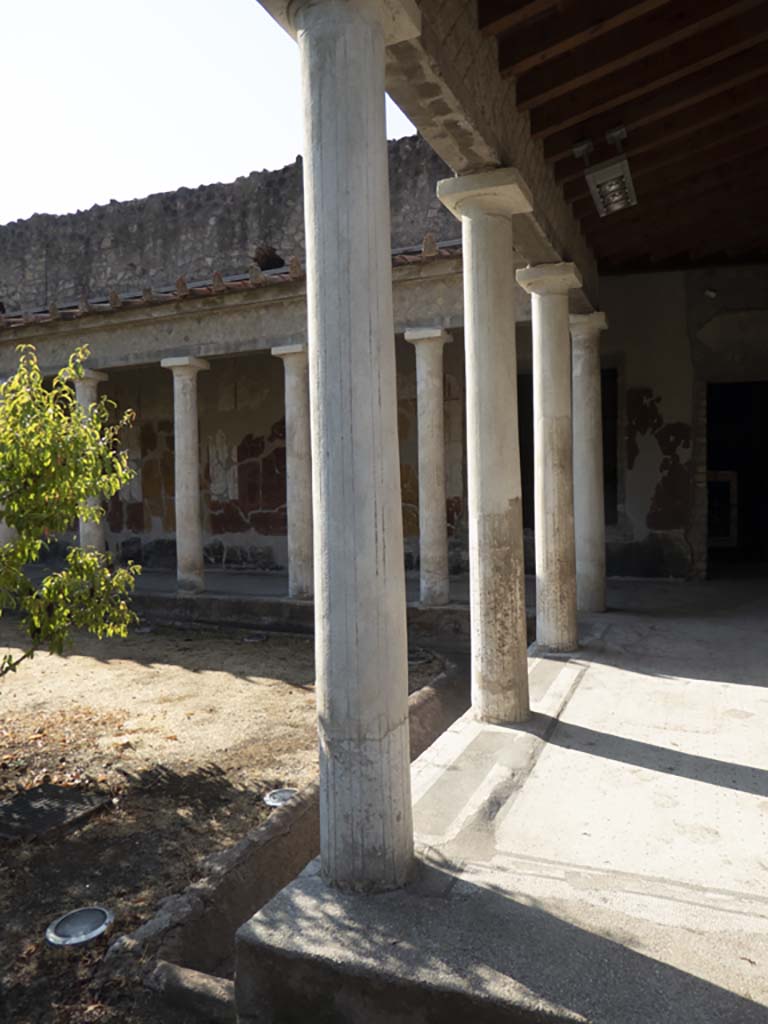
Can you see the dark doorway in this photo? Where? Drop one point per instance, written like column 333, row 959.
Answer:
column 737, row 478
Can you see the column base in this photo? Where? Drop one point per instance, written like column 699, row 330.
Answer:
column 540, row 649
column 190, row 584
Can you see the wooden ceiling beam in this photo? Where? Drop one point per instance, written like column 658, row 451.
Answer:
column 652, row 74
column 736, row 128
column 650, row 109
column 730, row 210
column 675, row 176
column 680, row 22
column 496, row 16
column 726, row 211
column 661, row 133
column 708, row 243
column 561, row 31
column 703, row 188
column 752, row 239
column 683, row 229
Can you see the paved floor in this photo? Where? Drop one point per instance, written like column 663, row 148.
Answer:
column 608, row 862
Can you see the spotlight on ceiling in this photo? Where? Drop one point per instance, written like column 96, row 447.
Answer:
column 610, row 182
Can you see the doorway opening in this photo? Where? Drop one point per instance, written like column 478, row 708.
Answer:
column 737, row 479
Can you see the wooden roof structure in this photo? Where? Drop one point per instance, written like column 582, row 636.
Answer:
column 687, row 79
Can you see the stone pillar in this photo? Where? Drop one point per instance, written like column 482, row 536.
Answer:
column 434, row 582
column 549, row 284
column 7, row 533
column 366, row 830
column 486, row 204
column 186, row 447
column 588, row 489
column 298, row 463
column 91, row 533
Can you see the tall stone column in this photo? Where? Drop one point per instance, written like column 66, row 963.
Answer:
column 7, row 533
column 549, row 284
column 298, row 467
column 186, row 447
column 434, row 581
column 588, row 487
column 486, row 204
column 91, row 533
column 366, row 830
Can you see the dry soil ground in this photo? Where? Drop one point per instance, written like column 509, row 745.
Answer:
column 186, row 730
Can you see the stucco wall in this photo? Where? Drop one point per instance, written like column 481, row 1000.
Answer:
column 242, row 456
column 150, row 242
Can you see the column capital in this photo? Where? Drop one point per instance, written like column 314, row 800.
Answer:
column 180, row 364
column 501, row 192
column 281, row 351
column 586, row 325
column 92, row 375
column 400, row 19
column 417, row 335
column 549, row 278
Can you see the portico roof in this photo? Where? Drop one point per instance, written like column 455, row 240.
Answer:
column 686, row 79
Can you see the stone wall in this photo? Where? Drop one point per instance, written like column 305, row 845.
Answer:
column 150, row 242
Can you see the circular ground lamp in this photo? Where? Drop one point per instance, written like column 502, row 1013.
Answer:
column 279, row 797
column 79, row 926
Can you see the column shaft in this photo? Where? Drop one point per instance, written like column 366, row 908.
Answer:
column 91, row 533
column 486, row 203
column 434, row 581
column 496, row 556
column 588, row 489
column 366, row 832
column 556, row 625
column 298, row 469
column 186, row 444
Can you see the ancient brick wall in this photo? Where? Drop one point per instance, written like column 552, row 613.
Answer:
column 151, row 242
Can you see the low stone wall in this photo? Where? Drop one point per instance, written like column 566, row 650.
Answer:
column 196, row 928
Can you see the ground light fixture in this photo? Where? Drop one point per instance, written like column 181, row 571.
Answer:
column 78, row 926
column 280, row 797
column 610, row 182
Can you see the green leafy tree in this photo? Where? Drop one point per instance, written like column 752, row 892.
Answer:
column 54, row 455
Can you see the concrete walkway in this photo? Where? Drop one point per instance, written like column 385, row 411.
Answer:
column 606, row 863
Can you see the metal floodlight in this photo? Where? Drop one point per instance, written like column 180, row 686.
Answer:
column 611, row 186
column 610, row 182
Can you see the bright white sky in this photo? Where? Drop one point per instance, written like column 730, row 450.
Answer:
column 109, row 99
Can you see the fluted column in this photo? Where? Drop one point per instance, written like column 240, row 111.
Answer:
column 186, row 449
column 434, row 581
column 91, row 533
column 366, row 830
column 588, row 485
column 298, row 468
column 486, row 204
column 549, row 284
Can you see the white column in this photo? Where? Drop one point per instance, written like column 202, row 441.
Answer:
column 186, row 449
column 486, row 204
column 549, row 284
column 298, row 467
column 8, row 534
column 588, row 488
column 91, row 534
column 366, row 830
column 434, row 581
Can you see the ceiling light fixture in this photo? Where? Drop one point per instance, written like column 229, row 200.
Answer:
column 610, row 182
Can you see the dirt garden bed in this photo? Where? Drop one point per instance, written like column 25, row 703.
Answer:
column 184, row 730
